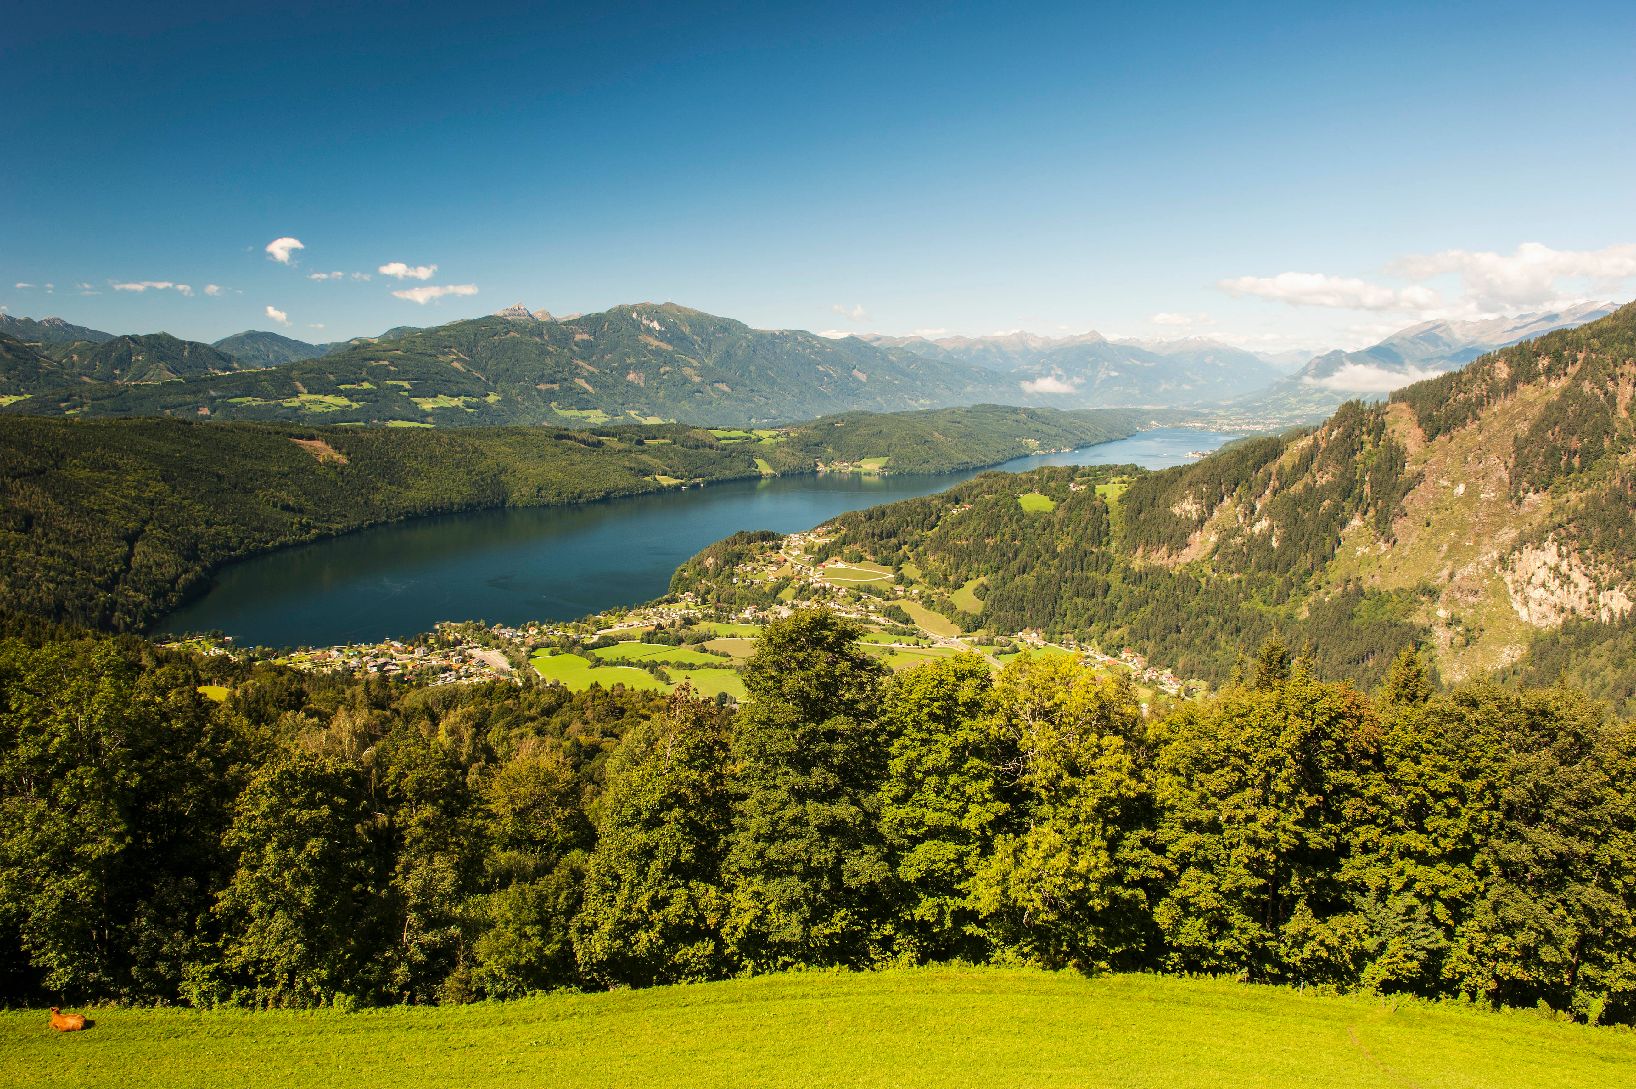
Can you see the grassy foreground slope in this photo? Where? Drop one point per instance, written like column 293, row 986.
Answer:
column 929, row 1027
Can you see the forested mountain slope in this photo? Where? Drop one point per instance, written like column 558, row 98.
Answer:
column 108, row 522
column 258, row 348
column 1487, row 512
column 49, row 333
column 641, row 362
column 24, row 369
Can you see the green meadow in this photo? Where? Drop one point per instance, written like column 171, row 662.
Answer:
column 708, row 674
column 657, row 652
column 982, row 1028
column 862, row 573
column 578, row 674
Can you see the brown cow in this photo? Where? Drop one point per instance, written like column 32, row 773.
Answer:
column 68, row 1022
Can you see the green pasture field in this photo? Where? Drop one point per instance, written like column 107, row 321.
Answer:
column 854, row 574
column 739, row 648
column 713, row 681
column 576, row 673
column 657, row 652
column 966, row 598
column 718, row 627
column 908, row 657
column 929, row 1028
column 936, row 623
column 1036, row 503
column 1049, row 650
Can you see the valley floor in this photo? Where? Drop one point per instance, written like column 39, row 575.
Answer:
column 925, row 1027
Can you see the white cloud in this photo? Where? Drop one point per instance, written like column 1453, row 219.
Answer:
column 1180, row 321
column 50, row 288
column 360, row 275
column 86, row 289
column 325, row 275
column 213, row 290
column 1338, row 292
column 836, row 334
column 318, row 325
column 424, row 295
column 1527, row 278
column 407, row 272
column 280, row 249
column 1367, row 378
column 278, row 315
column 1051, row 383
column 855, row 312
column 21, row 286
column 154, row 285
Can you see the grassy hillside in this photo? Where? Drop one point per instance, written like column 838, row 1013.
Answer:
column 640, row 362
column 986, row 1028
column 108, row 522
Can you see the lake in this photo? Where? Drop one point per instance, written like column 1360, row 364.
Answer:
column 556, row 563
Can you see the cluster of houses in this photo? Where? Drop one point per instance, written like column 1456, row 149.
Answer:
column 460, row 663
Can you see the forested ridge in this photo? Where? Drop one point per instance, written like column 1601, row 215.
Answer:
column 1076, row 569
column 313, row 840
column 109, row 522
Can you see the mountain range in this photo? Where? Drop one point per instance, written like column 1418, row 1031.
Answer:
column 653, row 362
column 641, row 361
column 1407, row 356
column 1089, row 369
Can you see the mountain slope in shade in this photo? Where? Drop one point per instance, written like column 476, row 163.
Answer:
column 1410, row 355
column 259, row 348
column 146, row 358
column 24, row 369
column 640, row 361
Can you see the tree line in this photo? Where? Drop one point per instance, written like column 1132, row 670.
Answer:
column 312, row 840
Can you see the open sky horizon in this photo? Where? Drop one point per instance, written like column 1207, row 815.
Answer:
column 1277, row 175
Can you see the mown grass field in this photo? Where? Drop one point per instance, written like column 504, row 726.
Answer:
column 856, row 574
column 709, row 675
column 936, row 623
column 578, row 675
column 966, row 597
column 988, row 1028
column 657, row 652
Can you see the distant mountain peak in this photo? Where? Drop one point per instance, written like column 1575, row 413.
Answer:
column 520, row 312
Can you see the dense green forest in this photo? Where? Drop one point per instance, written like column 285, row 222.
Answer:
column 311, row 840
column 109, row 522
column 630, row 362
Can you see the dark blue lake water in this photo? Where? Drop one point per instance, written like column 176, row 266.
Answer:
column 556, row 563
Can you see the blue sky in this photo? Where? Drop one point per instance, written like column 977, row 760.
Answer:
column 1278, row 175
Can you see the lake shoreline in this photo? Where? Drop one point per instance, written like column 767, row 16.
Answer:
column 314, row 593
